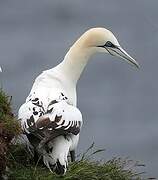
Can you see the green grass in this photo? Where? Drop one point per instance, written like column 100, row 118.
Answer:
column 22, row 167
column 5, row 108
column 7, row 118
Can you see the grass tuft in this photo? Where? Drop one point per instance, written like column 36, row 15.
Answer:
column 7, row 119
column 22, row 167
column 5, row 107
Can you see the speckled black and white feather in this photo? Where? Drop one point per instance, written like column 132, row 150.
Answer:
column 49, row 117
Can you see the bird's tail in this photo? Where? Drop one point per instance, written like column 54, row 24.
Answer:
column 55, row 157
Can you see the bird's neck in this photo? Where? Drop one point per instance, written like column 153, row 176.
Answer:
column 75, row 61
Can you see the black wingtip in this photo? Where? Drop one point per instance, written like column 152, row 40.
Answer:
column 60, row 169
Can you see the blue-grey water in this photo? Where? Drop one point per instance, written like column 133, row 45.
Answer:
column 118, row 102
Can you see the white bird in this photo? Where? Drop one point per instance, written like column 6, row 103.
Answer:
column 0, row 69
column 49, row 117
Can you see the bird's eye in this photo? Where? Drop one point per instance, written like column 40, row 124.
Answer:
column 109, row 44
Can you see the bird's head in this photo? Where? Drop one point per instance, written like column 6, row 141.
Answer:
column 103, row 40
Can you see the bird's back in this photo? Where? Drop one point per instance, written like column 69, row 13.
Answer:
column 48, row 115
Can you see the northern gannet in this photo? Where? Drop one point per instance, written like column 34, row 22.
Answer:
column 49, row 117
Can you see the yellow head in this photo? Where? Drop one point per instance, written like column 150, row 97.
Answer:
column 103, row 40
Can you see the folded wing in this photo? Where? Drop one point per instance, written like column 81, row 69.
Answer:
column 60, row 118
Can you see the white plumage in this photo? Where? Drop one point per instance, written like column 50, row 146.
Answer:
column 49, row 117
